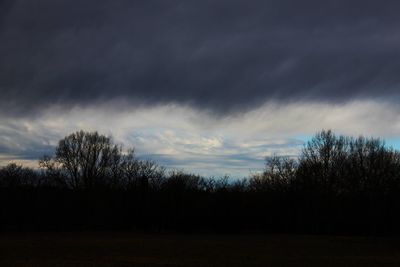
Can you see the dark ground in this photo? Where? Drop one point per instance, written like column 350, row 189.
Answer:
column 132, row 249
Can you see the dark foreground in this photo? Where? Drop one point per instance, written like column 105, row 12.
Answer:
column 130, row 249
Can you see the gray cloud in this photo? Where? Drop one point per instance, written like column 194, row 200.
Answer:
column 18, row 141
column 217, row 55
column 184, row 138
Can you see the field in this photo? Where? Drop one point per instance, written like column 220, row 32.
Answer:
column 131, row 249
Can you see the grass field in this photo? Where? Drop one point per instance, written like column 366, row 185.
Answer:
column 130, row 249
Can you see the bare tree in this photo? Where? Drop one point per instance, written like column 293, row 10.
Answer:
column 14, row 175
column 278, row 174
column 140, row 174
column 87, row 158
column 10, row 175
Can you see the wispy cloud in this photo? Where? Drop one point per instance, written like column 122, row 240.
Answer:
column 195, row 140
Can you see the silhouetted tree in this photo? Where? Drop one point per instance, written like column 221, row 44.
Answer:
column 87, row 158
column 339, row 164
column 14, row 175
column 51, row 173
column 339, row 184
column 278, row 174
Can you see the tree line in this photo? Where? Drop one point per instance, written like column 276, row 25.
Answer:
column 338, row 185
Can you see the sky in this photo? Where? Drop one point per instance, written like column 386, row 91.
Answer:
column 211, row 87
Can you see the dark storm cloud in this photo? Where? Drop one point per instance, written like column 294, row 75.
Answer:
column 221, row 55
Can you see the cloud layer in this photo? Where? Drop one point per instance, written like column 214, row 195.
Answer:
column 197, row 141
column 209, row 86
column 224, row 56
